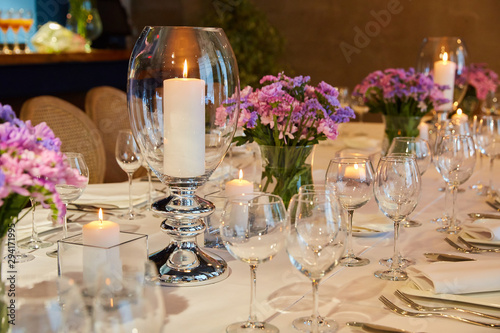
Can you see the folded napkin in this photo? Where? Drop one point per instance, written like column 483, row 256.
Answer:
column 115, row 194
column 457, row 277
column 373, row 221
column 361, row 142
column 484, row 229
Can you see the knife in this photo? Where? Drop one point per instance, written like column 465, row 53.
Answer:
column 376, row 328
column 446, row 257
column 483, row 216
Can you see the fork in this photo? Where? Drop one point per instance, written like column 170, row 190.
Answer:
column 475, row 248
column 396, row 309
column 459, row 248
column 414, row 305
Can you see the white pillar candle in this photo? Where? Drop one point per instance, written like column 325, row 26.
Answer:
column 423, row 129
column 184, row 126
column 238, row 186
column 444, row 74
column 99, row 255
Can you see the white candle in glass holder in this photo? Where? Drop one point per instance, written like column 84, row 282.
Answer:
column 184, row 126
column 460, row 116
column 444, row 74
column 355, row 171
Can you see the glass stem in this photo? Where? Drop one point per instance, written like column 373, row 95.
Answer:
column 454, row 194
column 252, row 318
column 65, row 222
column 150, row 193
column 130, row 175
column 34, row 233
column 396, row 256
column 492, row 173
column 16, row 249
column 315, row 316
column 350, row 251
column 447, row 205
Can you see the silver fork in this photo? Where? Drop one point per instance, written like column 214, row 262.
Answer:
column 475, row 248
column 459, row 248
column 396, row 309
column 414, row 305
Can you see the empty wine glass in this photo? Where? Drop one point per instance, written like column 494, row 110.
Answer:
column 352, row 178
column 129, row 159
column 253, row 229
column 421, row 150
column 397, row 190
column 358, row 105
column 456, row 159
column 69, row 193
column 51, row 306
column 487, row 135
column 34, row 242
column 315, row 243
column 26, row 23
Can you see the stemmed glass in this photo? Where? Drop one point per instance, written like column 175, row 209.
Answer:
column 129, row 159
column 314, row 245
column 487, row 135
column 352, row 178
column 69, row 193
column 34, row 242
column 397, row 190
column 253, row 229
column 15, row 25
column 358, row 105
column 26, row 23
column 421, row 150
column 456, row 158
column 4, row 26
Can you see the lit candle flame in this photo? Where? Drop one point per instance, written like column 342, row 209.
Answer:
column 459, row 112
column 241, row 175
column 185, row 71
column 100, row 215
column 445, row 57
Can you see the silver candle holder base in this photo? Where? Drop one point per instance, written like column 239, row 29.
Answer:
column 182, row 262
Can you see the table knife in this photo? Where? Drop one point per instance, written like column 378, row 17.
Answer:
column 446, row 257
column 483, row 216
column 493, row 205
column 376, row 328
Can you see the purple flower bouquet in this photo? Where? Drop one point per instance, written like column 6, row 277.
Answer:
column 480, row 81
column 31, row 165
column 286, row 117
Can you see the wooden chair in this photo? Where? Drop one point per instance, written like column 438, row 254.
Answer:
column 107, row 108
column 76, row 131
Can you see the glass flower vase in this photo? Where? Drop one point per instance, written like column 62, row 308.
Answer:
column 395, row 126
column 285, row 169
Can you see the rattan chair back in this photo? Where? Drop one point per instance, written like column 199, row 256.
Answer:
column 75, row 129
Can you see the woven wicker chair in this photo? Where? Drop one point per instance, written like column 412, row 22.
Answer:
column 76, row 131
column 107, row 107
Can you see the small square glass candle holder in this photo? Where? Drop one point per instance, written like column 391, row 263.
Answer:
column 212, row 222
column 90, row 265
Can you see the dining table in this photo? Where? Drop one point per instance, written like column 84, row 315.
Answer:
column 346, row 294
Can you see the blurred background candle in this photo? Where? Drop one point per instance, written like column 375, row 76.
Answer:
column 238, row 186
column 184, row 126
column 460, row 116
column 444, row 74
column 355, row 171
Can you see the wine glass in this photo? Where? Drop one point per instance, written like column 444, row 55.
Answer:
column 129, row 159
column 352, row 178
column 358, row 105
column 54, row 305
column 456, row 158
column 4, row 26
column 487, row 135
column 314, row 245
column 397, row 190
column 421, row 150
column 253, row 229
column 446, row 59
column 15, row 25
column 69, row 193
column 34, row 243
column 26, row 23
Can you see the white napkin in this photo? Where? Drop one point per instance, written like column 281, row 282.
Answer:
column 484, row 229
column 115, row 194
column 457, row 277
column 376, row 221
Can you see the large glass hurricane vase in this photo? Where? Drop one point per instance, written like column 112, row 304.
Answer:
column 178, row 78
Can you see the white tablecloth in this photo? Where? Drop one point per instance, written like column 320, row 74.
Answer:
column 347, row 294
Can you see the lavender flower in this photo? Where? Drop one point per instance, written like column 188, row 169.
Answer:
column 287, row 111
column 31, row 164
column 395, row 91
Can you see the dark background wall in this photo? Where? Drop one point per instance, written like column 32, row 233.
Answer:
column 315, row 30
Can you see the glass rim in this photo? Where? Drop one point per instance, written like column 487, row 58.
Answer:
column 349, row 159
column 181, row 27
column 244, row 198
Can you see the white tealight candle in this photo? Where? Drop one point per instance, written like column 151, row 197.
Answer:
column 355, row 171
column 184, row 126
column 238, row 186
column 460, row 116
column 444, row 74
